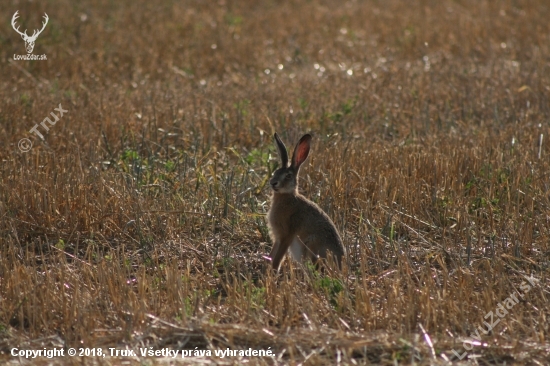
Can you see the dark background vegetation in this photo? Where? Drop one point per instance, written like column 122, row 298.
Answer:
column 139, row 220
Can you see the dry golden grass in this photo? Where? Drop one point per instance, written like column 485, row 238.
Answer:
column 139, row 220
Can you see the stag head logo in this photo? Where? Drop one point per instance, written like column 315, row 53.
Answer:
column 29, row 40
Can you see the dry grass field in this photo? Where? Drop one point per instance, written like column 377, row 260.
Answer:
column 138, row 220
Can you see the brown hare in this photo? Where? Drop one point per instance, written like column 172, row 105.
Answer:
column 294, row 221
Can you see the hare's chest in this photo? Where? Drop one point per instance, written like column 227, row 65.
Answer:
column 278, row 220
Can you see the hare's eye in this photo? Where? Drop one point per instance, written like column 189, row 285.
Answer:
column 288, row 176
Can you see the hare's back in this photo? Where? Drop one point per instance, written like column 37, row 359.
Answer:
column 317, row 228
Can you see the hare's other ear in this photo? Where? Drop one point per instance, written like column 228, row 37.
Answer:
column 282, row 151
column 301, row 151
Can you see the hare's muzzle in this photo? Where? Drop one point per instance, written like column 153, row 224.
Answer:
column 274, row 184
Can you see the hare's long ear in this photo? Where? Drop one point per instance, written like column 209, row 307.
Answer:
column 301, row 151
column 282, row 151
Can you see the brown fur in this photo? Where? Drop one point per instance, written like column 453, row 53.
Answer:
column 296, row 222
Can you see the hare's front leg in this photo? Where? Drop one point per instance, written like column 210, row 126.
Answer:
column 279, row 249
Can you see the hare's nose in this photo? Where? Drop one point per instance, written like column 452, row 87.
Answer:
column 274, row 184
